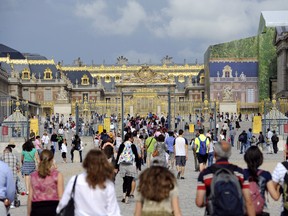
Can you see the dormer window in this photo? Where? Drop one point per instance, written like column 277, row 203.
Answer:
column 48, row 74
column 85, row 80
column 227, row 71
column 26, row 74
column 107, row 79
column 117, row 79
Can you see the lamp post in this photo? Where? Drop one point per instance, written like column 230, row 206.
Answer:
column 27, row 116
column 77, row 116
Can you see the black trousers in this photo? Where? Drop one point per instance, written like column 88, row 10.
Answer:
column 72, row 154
column 127, row 181
column 275, row 148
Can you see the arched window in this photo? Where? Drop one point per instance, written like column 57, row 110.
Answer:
column 25, row 74
column 107, row 79
column 48, row 74
column 85, row 80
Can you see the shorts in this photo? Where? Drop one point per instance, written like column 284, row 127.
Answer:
column 171, row 155
column 63, row 154
column 202, row 158
column 180, row 161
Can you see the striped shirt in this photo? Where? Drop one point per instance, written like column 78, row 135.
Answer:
column 206, row 176
column 279, row 173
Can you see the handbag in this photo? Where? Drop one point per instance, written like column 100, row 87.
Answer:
column 68, row 210
column 155, row 153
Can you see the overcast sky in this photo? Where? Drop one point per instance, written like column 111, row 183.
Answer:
column 143, row 31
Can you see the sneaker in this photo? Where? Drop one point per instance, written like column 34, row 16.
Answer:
column 178, row 175
column 182, row 177
column 12, row 206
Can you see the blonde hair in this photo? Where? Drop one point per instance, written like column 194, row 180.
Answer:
column 46, row 161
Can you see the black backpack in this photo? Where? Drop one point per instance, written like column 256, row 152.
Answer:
column 225, row 193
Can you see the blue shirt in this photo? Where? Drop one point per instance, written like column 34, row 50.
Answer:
column 249, row 137
column 7, row 184
column 170, row 143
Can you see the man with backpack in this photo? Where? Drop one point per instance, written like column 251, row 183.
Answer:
column 202, row 149
column 243, row 140
column 224, row 185
column 275, row 140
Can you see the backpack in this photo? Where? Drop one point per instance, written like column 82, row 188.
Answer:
column 275, row 139
column 225, row 193
column 203, row 146
column 127, row 155
column 256, row 195
column 241, row 138
column 285, row 187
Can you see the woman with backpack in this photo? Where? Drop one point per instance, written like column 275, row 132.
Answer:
column 263, row 179
column 127, row 162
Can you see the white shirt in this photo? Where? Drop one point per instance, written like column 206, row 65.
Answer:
column 279, row 173
column 180, row 144
column 89, row 201
column 269, row 135
column 63, row 148
column 45, row 139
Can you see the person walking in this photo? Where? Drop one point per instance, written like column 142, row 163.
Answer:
column 169, row 141
column 275, row 140
column 149, row 146
column 94, row 188
column 157, row 193
column 127, row 162
column 202, row 149
column 261, row 141
column 254, row 159
column 269, row 141
column 76, row 146
column 45, row 140
column 38, row 145
column 249, row 138
column 232, row 204
column 11, row 160
column 46, row 187
column 181, row 154
column 29, row 158
column 161, row 149
column 243, row 141
column 232, row 134
column 54, row 140
column 64, row 150
column 7, row 188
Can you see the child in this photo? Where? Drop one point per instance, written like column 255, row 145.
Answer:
column 157, row 193
column 64, row 150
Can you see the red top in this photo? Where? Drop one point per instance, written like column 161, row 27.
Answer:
column 44, row 189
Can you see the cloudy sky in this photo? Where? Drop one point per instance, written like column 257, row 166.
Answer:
column 143, row 31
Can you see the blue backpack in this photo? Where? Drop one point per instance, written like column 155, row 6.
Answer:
column 225, row 193
column 203, row 147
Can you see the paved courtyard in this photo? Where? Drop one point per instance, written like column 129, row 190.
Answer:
column 187, row 187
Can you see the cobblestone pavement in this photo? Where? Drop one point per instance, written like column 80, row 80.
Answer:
column 187, row 187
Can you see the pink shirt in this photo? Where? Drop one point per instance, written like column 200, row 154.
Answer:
column 37, row 144
column 44, row 189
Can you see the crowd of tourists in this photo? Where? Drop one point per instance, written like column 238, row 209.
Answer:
column 146, row 160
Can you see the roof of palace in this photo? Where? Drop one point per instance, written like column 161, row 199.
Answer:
column 5, row 50
column 77, row 75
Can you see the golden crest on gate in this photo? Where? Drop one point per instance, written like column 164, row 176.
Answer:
column 145, row 74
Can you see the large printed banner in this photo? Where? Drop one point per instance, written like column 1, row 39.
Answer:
column 107, row 124
column 34, row 125
column 257, row 124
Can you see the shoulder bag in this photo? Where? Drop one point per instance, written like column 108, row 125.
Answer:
column 68, row 210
